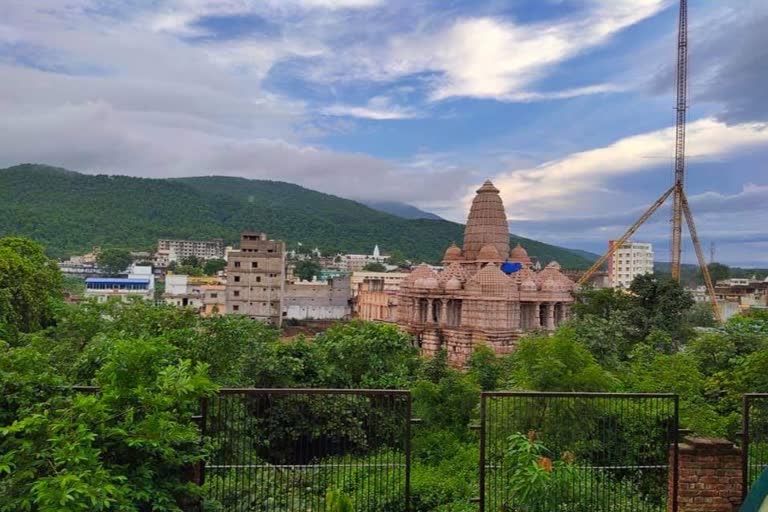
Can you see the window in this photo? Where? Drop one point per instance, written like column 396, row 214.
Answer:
column 237, row 264
column 254, row 264
column 214, row 295
column 237, row 279
column 258, row 279
column 237, row 293
column 236, row 308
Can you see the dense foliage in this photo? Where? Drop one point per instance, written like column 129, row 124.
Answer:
column 131, row 445
column 71, row 212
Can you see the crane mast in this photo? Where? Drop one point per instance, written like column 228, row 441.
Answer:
column 681, row 109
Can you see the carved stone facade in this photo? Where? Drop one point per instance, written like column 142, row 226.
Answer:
column 477, row 299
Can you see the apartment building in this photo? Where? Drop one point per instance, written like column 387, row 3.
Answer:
column 628, row 261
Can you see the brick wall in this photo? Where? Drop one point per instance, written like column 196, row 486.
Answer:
column 710, row 476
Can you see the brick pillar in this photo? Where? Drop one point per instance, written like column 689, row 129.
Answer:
column 710, row 476
column 550, row 312
column 430, row 311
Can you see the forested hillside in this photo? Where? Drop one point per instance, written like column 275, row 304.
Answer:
column 70, row 212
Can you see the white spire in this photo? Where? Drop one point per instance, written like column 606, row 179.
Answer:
column 376, row 252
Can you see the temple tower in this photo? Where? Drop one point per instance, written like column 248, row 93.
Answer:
column 486, row 224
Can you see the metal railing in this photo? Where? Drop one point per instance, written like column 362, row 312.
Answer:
column 604, row 451
column 283, row 449
column 754, row 438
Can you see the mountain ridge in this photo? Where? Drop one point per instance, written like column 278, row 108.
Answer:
column 69, row 212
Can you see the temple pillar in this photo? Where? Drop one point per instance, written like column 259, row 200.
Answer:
column 416, row 311
column 515, row 315
column 536, row 319
column 550, row 312
column 444, row 312
column 430, row 311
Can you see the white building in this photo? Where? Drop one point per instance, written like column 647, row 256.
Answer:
column 628, row 261
column 140, row 283
column 356, row 262
column 177, row 250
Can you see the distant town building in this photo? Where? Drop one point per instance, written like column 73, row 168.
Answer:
column 389, row 281
column 487, row 294
column 256, row 278
column 630, row 260
column 356, row 262
column 317, row 300
column 736, row 295
column 214, row 299
column 375, row 295
column 140, row 283
column 176, row 250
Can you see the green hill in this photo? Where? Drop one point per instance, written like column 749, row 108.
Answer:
column 70, row 212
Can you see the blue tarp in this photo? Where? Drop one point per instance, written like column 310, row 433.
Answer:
column 115, row 280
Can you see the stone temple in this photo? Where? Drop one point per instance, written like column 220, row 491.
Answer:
column 486, row 294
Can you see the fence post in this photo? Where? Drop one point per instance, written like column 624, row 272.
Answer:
column 710, row 475
column 482, row 452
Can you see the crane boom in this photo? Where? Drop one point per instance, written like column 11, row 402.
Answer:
column 681, row 108
column 702, row 261
column 634, row 227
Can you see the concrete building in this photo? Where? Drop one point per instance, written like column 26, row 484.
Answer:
column 214, row 299
column 390, row 281
column 176, row 250
column 376, row 299
column 317, row 300
column 487, row 294
column 118, row 288
column 630, row 260
column 356, row 262
column 736, row 295
column 256, row 278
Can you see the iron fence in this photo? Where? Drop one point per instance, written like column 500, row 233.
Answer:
column 754, row 443
column 600, row 452
column 283, row 449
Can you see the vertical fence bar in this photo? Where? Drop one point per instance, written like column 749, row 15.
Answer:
column 745, row 439
column 482, row 468
column 676, row 454
column 408, row 420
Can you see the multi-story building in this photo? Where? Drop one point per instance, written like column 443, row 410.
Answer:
column 140, row 283
column 356, row 262
column 256, row 278
column 376, row 299
column 317, row 300
column 176, row 250
column 387, row 281
column 630, row 260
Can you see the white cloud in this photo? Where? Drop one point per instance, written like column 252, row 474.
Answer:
column 490, row 57
column 554, row 188
column 378, row 108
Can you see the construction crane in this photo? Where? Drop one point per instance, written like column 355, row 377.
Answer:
column 680, row 207
column 681, row 109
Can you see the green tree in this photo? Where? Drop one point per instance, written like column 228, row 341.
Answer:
column 701, row 315
column 717, row 272
column 211, row 267
column 114, row 261
column 558, row 363
column 191, row 261
column 30, row 286
column 374, row 266
column 660, row 303
column 397, row 258
column 307, row 269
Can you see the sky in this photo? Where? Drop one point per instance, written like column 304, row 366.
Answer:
column 567, row 105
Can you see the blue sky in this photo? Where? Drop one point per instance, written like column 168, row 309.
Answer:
column 565, row 104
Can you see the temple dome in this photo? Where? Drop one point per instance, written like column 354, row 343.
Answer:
column 454, row 270
column 486, row 224
column 489, row 254
column 491, row 281
column 453, row 284
column 420, row 272
column 529, row 285
column 453, row 253
column 519, row 255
